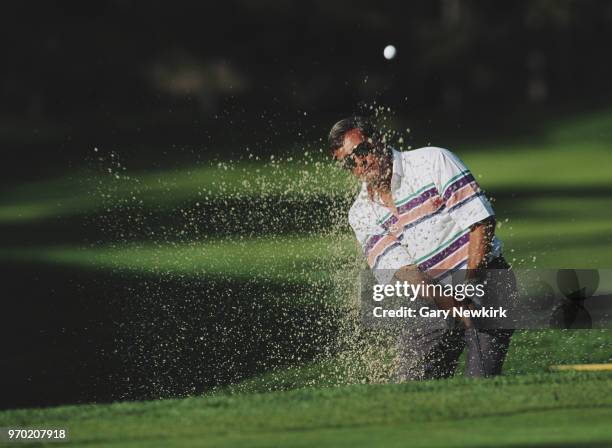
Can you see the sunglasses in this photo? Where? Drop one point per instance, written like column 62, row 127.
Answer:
column 349, row 162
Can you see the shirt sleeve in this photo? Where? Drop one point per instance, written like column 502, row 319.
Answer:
column 464, row 200
column 383, row 251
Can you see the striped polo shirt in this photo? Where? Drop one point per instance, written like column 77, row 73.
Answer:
column 438, row 200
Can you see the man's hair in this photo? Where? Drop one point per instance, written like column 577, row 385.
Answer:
column 339, row 130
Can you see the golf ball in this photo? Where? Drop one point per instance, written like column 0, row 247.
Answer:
column 389, row 52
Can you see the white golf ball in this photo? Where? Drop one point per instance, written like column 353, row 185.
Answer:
column 389, row 52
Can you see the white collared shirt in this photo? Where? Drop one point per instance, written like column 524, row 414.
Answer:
column 438, row 200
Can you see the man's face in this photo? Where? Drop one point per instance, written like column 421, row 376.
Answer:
column 367, row 167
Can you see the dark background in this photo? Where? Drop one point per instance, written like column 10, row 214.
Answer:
column 213, row 77
column 173, row 82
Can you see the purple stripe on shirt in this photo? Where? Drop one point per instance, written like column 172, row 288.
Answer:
column 371, row 243
column 446, row 252
column 468, row 178
column 390, row 221
column 415, row 202
column 465, row 201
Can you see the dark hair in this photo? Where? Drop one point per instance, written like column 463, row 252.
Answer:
column 338, row 131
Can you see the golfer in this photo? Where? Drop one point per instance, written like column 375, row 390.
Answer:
column 421, row 217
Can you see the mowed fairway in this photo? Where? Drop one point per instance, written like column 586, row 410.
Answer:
column 553, row 199
column 531, row 410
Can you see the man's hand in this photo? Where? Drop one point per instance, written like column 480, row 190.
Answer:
column 412, row 274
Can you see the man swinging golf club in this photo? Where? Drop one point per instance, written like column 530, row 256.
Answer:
column 421, row 217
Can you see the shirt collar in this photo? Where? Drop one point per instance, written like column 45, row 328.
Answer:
column 396, row 177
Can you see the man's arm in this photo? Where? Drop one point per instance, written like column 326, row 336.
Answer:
column 466, row 205
column 481, row 239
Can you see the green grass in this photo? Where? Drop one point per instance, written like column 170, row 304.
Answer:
column 91, row 191
column 539, row 166
column 531, row 352
column 558, row 232
column 547, row 166
column 531, row 410
column 535, row 351
column 282, row 259
column 572, row 154
column 550, row 239
column 561, row 217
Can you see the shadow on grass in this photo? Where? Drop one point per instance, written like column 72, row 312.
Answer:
column 78, row 336
column 262, row 217
column 227, row 217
